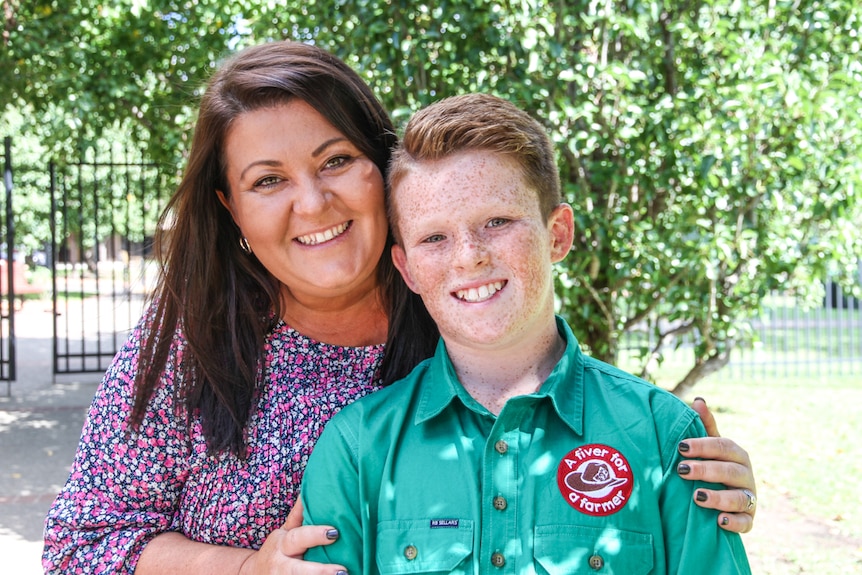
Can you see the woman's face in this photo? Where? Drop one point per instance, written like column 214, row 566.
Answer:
column 307, row 200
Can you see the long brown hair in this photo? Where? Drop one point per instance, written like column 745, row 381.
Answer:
column 222, row 301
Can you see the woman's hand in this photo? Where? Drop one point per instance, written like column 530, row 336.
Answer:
column 722, row 461
column 280, row 554
column 283, row 550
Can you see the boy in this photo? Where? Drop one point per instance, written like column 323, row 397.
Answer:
column 509, row 451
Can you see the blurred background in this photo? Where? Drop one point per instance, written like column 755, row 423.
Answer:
column 712, row 151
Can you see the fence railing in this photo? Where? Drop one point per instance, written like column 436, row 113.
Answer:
column 793, row 340
column 790, row 339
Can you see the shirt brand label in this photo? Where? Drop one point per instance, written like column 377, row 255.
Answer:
column 443, row 523
column 595, row 479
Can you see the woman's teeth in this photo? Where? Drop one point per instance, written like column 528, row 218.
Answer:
column 320, row 237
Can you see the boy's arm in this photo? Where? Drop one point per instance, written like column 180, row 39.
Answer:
column 694, row 542
column 330, row 495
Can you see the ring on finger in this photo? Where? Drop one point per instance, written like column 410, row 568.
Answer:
column 752, row 499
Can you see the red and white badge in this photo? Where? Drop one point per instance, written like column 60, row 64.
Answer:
column 595, row 479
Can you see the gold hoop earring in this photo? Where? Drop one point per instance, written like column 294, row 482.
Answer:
column 243, row 244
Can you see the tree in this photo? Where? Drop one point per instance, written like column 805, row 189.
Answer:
column 711, row 149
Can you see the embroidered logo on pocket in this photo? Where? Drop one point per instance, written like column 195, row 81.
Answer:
column 595, row 479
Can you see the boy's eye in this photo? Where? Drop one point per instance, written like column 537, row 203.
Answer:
column 433, row 239
column 497, row 222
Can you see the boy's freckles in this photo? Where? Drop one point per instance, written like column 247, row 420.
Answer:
column 475, row 247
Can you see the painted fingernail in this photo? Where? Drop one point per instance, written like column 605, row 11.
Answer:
column 684, row 447
column 341, row 573
column 332, row 534
column 700, row 398
column 725, row 520
column 701, row 496
column 683, row 469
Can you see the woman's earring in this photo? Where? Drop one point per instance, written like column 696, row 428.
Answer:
column 243, row 244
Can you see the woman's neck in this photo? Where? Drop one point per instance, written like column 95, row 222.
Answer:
column 354, row 321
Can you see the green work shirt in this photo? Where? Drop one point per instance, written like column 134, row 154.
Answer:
column 579, row 477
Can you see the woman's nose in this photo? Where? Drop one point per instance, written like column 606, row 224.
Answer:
column 311, row 197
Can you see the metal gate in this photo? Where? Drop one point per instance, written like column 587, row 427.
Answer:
column 105, row 215
column 7, row 319
column 85, row 229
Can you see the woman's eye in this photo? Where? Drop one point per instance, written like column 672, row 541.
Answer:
column 267, row 181
column 497, row 222
column 433, row 239
column 336, row 162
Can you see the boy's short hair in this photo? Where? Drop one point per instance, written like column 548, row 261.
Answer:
column 478, row 122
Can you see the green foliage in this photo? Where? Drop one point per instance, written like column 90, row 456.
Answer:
column 711, row 149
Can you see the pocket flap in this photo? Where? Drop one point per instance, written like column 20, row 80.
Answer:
column 415, row 546
column 570, row 549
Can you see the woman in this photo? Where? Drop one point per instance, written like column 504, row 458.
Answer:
column 276, row 296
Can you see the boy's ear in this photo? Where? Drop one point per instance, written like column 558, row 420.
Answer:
column 399, row 258
column 561, row 224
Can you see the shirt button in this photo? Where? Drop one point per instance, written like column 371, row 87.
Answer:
column 502, row 447
column 497, row 559
column 410, row 552
column 596, row 562
column 500, row 503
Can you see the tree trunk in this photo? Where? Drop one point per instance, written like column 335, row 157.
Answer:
column 699, row 371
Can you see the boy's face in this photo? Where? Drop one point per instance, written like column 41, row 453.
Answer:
column 476, row 248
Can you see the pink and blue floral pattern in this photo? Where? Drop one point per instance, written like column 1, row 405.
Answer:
column 127, row 486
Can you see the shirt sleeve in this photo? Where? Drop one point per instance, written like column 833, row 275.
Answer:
column 125, row 484
column 694, row 542
column 331, row 494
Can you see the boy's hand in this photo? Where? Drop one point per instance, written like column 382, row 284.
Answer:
column 723, row 461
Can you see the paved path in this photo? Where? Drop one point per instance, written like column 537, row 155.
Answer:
column 40, row 423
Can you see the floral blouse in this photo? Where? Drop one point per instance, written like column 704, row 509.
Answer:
column 126, row 488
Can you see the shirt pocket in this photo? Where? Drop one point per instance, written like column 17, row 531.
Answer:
column 600, row 550
column 413, row 546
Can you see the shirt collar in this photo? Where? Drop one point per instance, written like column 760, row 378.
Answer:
column 564, row 386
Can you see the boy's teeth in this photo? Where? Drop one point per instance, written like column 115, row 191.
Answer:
column 481, row 293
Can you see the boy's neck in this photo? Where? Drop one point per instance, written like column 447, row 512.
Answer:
column 493, row 377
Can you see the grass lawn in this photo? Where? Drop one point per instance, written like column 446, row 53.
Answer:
column 804, row 435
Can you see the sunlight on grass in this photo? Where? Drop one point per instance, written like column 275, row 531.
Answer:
column 803, row 437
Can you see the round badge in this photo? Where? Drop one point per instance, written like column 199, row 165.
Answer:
column 595, row 479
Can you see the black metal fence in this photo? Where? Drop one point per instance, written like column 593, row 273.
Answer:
column 797, row 340
column 79, row 233
column 105, row 215
column 790, row 338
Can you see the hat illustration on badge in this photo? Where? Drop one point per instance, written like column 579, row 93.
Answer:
column 593, row 475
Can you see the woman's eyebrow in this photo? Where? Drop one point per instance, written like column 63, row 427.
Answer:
column 268, row 163
column 319, row 149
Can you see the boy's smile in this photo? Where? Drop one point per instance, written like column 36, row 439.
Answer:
column 481, row 293
column 475, row 246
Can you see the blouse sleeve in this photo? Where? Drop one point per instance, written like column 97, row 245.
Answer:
column 125, row 484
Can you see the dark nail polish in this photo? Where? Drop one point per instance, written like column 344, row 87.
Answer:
column 701, row 496
column 341, row 573
column 684, row 447
column 725, row 520
column 332, row 534
column 683, row 469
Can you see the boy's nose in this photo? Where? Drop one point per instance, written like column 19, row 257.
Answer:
column 470, row 253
